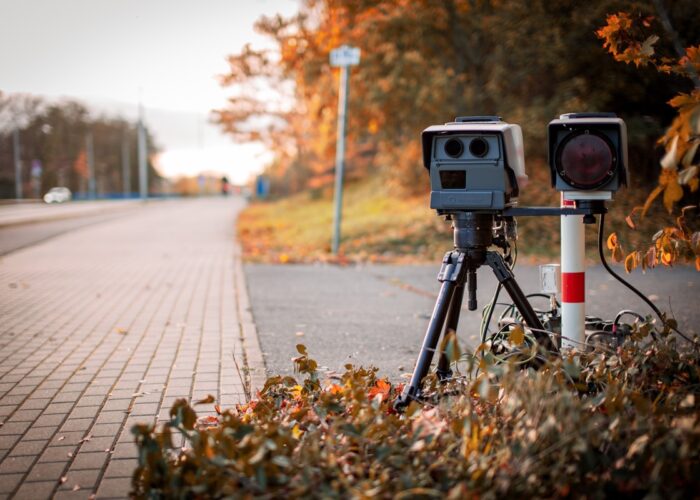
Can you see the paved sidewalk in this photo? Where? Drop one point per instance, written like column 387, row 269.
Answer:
column 106, row 326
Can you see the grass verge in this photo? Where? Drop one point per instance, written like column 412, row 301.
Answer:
column 379, row 225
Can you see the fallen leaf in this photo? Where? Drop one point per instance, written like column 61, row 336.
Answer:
column 517, row 335
column 207, row 400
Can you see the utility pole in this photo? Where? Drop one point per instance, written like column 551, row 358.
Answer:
column 90, row 152
column 18, row 163
column 342, row 57
column 126, row 165
column 143, row 156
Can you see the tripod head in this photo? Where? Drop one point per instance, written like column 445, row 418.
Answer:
column 474, row 233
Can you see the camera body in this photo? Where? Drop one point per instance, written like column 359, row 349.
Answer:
column 588, row 155
column 475, row 163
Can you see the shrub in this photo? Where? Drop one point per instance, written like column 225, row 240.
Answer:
column 609, row 422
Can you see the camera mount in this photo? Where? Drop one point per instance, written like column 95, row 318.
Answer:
column 473, row 235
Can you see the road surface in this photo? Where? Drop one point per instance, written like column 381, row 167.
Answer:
column 377, row 314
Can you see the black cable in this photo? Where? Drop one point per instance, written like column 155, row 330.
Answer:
column 492, row 306
column 619, row 278
column 624, row 312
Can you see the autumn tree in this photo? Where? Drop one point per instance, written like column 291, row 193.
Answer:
column 647, row 38
column 54, row 134
column 424, row 63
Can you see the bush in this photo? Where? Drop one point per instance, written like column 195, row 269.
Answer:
column 620, row 422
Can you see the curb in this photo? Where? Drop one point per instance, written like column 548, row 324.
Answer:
column 255, row 362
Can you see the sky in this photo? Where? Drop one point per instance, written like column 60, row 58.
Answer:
column 167, row 53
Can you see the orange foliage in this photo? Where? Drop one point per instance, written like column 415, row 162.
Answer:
column 630, row 39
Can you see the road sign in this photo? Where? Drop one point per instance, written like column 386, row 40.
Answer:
column 345, row 56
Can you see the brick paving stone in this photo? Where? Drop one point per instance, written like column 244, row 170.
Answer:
column 68, row 438
column 118, row 321
column 84, row 479
column 57, row 454
column 89, row 460
column 77, row 424
column 79, row 494
column 24, row 415
column 14, row 428
column 105, row 430
column 49, row 420
column 29, row 448
column 41, row 489
column 110, row 417
column 40, row 433
column 121, row 468
column 16, row 464
column 114, row 488
column 98, row 444
column 9, row 482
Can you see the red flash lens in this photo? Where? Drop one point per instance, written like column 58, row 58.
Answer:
column 585, row 160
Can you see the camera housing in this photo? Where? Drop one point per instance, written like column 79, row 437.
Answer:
column 588, row 155
column 475, row 163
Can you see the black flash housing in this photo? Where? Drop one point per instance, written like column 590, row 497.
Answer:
column 588, row 153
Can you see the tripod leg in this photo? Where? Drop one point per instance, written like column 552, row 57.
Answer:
column 451, row 276
column 505, row 277
column 443, row 368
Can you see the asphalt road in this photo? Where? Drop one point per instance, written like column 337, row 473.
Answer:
column 377, row 314
column 19, row 236
column 26, row 224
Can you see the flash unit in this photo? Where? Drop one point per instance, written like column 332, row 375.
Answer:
column 588, row 154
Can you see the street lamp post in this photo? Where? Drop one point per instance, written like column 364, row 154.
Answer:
column 18, row 163
column 142, row 156
column 342, row 57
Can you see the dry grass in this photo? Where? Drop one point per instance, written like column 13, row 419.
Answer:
column 379, row 225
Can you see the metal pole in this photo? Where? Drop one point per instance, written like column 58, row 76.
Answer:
column 18, row 163
column 143, row 156
column 126, row 166
column 573, row 278
column 340, row 155
column 91, row 165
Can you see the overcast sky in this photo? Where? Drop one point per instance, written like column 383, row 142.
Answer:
column 108, row 52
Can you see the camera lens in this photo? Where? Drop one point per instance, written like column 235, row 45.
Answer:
column 478, row 147
column 454, row 148
column 585, row 160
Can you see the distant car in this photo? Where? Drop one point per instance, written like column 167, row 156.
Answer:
column 57, row 195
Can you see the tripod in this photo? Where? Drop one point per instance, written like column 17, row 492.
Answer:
column 473, row 235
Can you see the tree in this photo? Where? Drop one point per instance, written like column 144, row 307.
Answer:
column 424, row 63
column 54, row 134
column 633, row 38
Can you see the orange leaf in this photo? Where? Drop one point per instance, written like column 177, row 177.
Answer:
column 631, row 262
column 697, row 263
column 612, row 241
column 672, row 194
column 650, row 199
column 382, row 387
column 617, row 254
column 666, row 258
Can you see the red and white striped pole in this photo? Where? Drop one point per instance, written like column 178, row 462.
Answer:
column 573, row 277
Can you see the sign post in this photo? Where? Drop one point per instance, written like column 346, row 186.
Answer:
column 342, row 57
